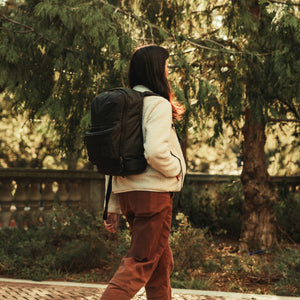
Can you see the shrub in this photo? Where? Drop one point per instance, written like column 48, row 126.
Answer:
column 216, row 207
column 287, row 264
column 195, row 256
column 288, row 213
column 68, row 242
column 191, row 256
column 76, row 246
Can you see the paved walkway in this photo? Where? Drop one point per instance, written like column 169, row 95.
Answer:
column 11, row 289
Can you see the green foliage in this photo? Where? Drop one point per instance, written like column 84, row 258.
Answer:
column 223, row 57
column 206, row 263
column 218, row 208
column 288, row 213
column 68, row 243
column 195, row 245
column 75, row 246
column 288, row 265
column 56, row 56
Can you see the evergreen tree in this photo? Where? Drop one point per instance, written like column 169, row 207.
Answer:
column 236, row 62
column 254, row 64
column 55, row 56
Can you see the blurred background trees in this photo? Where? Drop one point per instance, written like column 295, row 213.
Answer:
column 234, row 65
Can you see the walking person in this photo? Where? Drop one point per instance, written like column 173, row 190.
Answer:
column 146, row 199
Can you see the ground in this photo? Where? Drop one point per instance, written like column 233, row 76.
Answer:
column 229, row 271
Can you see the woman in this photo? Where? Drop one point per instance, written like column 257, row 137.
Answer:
column 145, row 199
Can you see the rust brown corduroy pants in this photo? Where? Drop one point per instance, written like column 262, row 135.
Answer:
column 149, row 261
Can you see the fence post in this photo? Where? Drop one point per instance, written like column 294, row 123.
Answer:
column 35, row 197
column 63, row 195
column 96, row 196
column 74, row 195
column 48, row 197
column 5, row 202
column 20, row 199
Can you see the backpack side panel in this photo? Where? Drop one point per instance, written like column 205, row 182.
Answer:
column 133, row 145
column 115, row 139
column 103, row 138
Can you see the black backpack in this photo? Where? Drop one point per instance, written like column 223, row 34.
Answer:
column 115, row 140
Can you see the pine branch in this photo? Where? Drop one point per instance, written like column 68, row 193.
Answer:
column 284, row 2
column 122, row 11
column 223, row 50
column 214, row 42
column 21, row 31
column 291, row 107
column 210, row 32
column 31, row 30
column 273, row 120
column 209, row 48
column 210, row 10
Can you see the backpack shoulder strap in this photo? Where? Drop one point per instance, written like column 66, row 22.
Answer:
column 107, row 196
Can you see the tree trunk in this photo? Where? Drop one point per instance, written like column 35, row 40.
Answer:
column 258, row 218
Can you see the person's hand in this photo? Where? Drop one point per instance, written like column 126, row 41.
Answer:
column 112, row 222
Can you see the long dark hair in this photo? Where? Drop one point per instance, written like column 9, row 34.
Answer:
column 147, row 67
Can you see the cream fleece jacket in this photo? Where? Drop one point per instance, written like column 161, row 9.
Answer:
column 166, row 166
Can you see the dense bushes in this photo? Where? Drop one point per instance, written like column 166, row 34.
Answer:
column 205, row 262
column 288, row 214
column 75, row 246
column 69, row 242
column 218, row 208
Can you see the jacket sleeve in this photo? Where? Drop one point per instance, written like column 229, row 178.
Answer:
column 157, row 125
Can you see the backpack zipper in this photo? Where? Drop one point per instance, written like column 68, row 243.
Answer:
column 123, row 130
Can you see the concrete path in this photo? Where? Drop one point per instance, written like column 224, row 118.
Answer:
column 14, row 289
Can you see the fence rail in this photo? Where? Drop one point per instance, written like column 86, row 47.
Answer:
column 29, row 194
column 292, row 182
